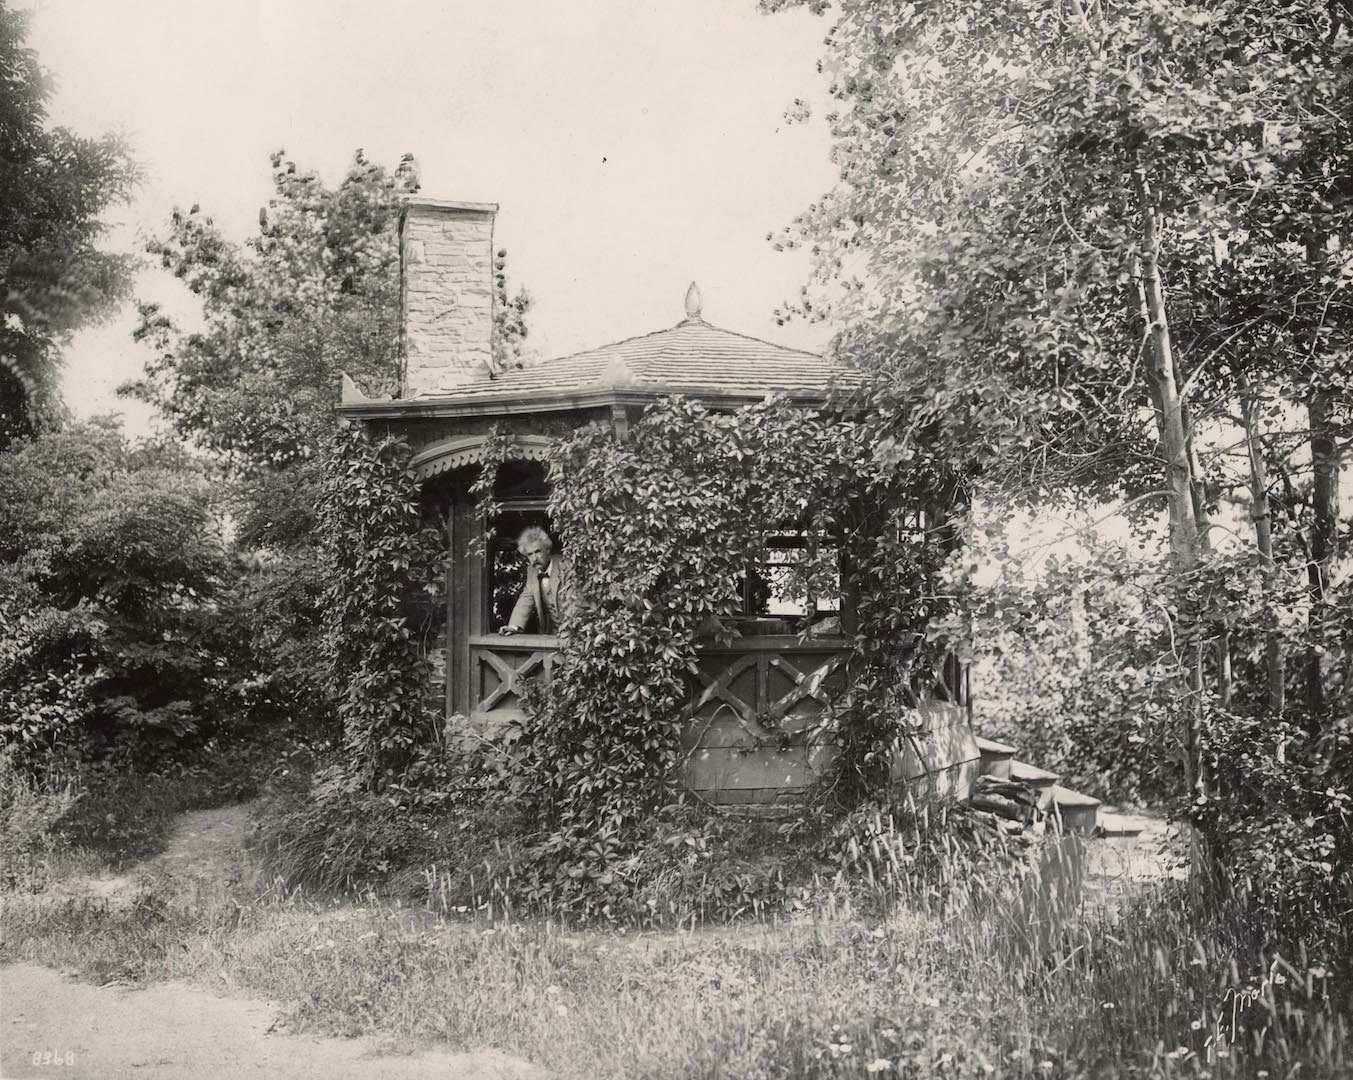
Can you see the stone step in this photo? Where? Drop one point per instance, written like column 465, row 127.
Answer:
column 1039, row 779
column 996, row 758
column 1113, row 826
column 1079, row 813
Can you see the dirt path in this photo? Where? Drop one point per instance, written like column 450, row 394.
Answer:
column 1118, row 867
column 206, row 848
column 54, row 1026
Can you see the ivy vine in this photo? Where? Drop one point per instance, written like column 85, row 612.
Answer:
column 387, row 561
column 658, row 526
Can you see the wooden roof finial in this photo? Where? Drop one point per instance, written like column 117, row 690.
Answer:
column 693, row 303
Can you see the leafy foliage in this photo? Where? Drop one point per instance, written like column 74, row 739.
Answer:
column 385, row 575
column 1071, row 664
column 54, row 186
column 110, row 559
column 314, row 295
column 1281, row 819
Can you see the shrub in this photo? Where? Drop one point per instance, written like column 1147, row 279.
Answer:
column 1071, row 662
column 1279, row 819
column 110, row 557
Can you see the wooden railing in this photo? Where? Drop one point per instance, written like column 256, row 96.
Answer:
column 757, row 729
column 754, row 730
column 499, row 668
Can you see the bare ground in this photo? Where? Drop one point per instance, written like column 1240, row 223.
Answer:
column 54, row 1026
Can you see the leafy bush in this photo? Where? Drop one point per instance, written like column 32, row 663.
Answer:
column 110, row 557
column 271, row 611
column 1279, row 817
column 1072, row 664
column 379, row 548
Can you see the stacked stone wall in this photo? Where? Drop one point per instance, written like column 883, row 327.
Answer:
column 447, row 268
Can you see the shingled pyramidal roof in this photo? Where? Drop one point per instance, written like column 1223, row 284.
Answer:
column 691, row 354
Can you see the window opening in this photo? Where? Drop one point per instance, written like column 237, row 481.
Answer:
column 776, row 598
column 521, row 491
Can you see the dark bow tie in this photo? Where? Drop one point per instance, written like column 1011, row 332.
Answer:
column 543, row 574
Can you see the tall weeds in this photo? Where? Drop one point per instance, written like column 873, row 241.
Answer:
column 923, row 956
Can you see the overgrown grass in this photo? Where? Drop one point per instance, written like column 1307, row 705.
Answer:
column 975, row 971
column 103, row 816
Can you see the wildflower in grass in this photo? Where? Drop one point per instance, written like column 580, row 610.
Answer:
column 878, row 1065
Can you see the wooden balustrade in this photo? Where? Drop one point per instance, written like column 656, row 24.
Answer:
column 500, row 665
column 757, row 730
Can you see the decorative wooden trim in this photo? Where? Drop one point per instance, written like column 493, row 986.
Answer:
column 452, row 663
column 466, row 597
column 717, row 688
column 464, row 450
column 806, row 684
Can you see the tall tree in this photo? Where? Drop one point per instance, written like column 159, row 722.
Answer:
column 54, row 186
column 1025, row 187
column 312, row 295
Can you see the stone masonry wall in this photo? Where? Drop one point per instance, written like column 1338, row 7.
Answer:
column 446, row 263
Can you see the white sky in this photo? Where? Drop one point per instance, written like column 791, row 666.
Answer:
column 633, row 145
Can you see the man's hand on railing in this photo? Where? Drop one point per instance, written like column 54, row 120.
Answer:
column 509, row 630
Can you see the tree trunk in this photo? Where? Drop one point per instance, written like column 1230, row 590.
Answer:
column 1224, row 679
column 1275, row 676
column 1179, row 480
column 1325, row 462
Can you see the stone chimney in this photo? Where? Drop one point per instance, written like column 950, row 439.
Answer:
column 446, row 294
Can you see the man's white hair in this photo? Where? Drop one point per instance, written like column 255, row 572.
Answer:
column 532, row 535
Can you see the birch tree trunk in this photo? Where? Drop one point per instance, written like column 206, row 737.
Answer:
column 1325, row 463
column 1179, row 480
column 1275, row 676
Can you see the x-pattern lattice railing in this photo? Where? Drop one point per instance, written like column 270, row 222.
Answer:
column 510, row 675
column 806, row 684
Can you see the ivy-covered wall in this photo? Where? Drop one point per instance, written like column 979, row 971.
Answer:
column 659, row 523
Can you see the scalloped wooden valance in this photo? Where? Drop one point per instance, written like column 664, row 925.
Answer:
column 464, row 450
